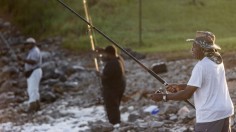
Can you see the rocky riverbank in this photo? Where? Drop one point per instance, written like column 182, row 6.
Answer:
column 70, row 88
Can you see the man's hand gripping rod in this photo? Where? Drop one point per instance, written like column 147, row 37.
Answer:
column 126, row 52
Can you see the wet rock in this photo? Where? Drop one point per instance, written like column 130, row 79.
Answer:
column 133, row 117
column 156, row 124
column 142, row 124
column 101, row 126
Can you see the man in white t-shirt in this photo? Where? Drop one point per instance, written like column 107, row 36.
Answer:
column 208, row 84
column 33, row 73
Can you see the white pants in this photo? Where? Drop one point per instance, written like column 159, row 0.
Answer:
column 33, row 85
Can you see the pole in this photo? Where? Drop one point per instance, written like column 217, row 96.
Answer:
column 90, row 33
column 118, row 46
column 113, row 42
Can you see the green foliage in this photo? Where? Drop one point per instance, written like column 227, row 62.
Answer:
column 72, row 42
column 165, row 24
column 34, row 17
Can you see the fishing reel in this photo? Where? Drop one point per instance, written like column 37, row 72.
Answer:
column 161, row 90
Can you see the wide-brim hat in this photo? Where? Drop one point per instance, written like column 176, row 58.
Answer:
column 30, row 41
column 205, row 39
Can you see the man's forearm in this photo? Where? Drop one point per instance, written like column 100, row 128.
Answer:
column 182, row 86
column 32, row 62
column 181, row 95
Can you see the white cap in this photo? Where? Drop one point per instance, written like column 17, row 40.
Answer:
column 30, row 41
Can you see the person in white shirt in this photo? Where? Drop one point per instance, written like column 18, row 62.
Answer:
column 33, row 73
column 208, row 84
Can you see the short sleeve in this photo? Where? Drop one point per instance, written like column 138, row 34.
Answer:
column 34, row 55
column 196, row 77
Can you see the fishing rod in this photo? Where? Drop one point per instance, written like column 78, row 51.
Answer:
column 118, row 46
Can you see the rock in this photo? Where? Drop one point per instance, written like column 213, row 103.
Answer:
column 173, row 117
column 48, row 97
column 69, row 80
column 133, row 53
column 191, row 114
column 156, row 124
column 180, row 129
column 101, row 126
column 142, row 123
column 133, row 117
column 159, row 67
column 46, row 55
column 6, row 99
column 183, row 112
column 6, row 86
column 169, row 109
column 9, row 71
